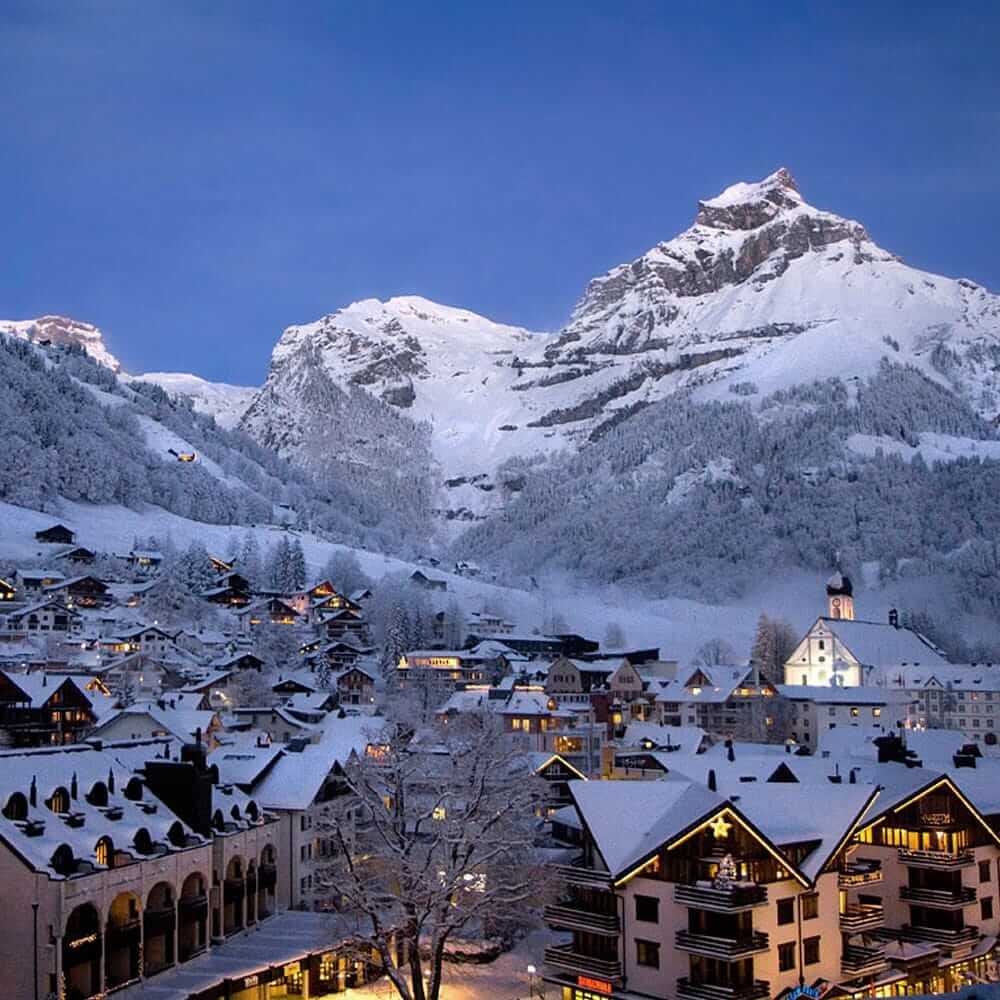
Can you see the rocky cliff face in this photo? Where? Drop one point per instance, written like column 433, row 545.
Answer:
column 763, row 292
column 63, row 330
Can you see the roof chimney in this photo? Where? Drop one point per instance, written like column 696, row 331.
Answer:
column 712, row 783
column 893, row 617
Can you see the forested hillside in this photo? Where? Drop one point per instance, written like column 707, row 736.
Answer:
column 74, row 430
column 700, row 498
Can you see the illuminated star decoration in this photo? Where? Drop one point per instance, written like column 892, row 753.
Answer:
column 720, row 828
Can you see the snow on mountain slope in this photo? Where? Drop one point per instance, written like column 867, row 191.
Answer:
column 227, row 403
column 62, row 330
column 763, row 292
column 766, row 289
column 448, row 367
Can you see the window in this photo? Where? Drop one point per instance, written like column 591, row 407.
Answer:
column 984, row 871
column 986, row 908
column 786, row 956
column 439, row 813
column 647, row 908
column 810, row 905
column 832, row 710
column 786, row 911
column 854, row 713
column 810, row 950
column 647, row 953
column 877, row 712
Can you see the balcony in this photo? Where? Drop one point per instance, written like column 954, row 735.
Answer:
column 936, row 860
column 574, row 917
column 726, row 949
column 941, row 899
column 756, row 990
column 720, row 899
column 940, row 935
column 863, row 917
column 857, row 873
column 562, row 957
column 856, row 961
column 578, row 874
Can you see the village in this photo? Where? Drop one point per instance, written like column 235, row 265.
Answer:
column 203, row 810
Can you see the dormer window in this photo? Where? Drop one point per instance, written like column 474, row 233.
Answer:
column 105, row 852
column 59, row 802
column 16, row 807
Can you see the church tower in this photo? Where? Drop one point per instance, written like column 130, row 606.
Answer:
column 840, row 597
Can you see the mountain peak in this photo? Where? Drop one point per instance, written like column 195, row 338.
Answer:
column 750, row 205
column 63, row 330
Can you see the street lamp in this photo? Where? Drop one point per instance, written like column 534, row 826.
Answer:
column 532, row 973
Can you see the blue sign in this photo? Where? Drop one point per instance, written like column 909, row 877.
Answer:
column 804, row 991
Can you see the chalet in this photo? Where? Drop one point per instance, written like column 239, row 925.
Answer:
column 233, row 591
column 343, row 623
column 287, row 686
column 238, row 661
column 135, row 672
column 149, row 639
column 41, row 709
column 57, row 534
column 421, row 579
column 355, row 687
column 209, row 690
column 453, row 667
column 44, row 616
column 145, row 720
column 557, row 772
column 574, row 680
column 81, row 591
column 488, row 623
column 342, row 653
column 280, row 725
column 77, row 554
column 145, row 560
column 735, row 702
column 272, row 610
column 34, row 581
column 361, row 595
column 7, row 592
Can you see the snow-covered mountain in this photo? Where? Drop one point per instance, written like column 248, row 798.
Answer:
column 62, row 330
column 227, row 403
column 766, row 289
column 763, row 292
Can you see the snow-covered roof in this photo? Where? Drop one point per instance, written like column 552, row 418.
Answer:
column 630, row 819
column 51, row 769
column 835, row 695
column 880, row 644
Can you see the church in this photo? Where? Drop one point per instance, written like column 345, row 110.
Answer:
column 841, row 651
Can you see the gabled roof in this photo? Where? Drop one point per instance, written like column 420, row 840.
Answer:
column 875, row 644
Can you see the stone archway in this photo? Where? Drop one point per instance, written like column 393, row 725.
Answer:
column 233, row 897
column 123, row 940
column 267, row 882
column 81, row 953
column 159, row 924
column 192, row 917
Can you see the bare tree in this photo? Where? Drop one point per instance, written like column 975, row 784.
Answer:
column 714, row 653
column 614, row 636
column 445, row 846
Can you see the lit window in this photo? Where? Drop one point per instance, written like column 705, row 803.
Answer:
column 439, row 812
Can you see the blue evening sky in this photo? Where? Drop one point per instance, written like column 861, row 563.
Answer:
column 193, row 177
